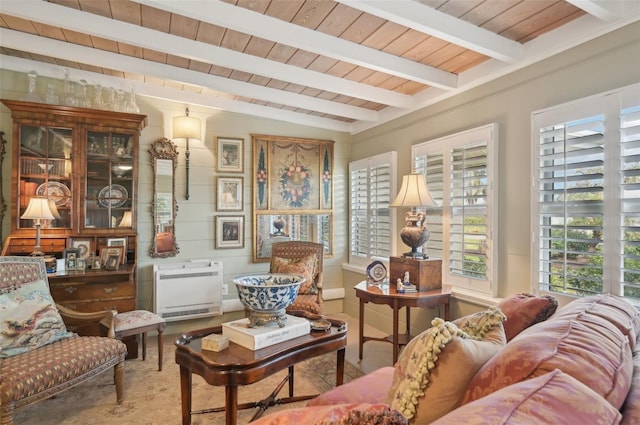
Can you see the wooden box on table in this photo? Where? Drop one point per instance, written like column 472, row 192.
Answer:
column 425, row 274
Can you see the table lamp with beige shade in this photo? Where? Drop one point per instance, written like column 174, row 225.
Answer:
column 38, row 209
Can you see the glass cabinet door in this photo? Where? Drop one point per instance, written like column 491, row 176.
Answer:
column 109, row 181
column 45, row 171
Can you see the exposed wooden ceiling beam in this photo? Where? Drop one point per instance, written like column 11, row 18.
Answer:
column 248, row 22
column 88, row 23
column 428, row 20
column 87, row 55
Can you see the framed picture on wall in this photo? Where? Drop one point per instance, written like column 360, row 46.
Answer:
column 230, row 154
column 229, row 193
column 229, row 231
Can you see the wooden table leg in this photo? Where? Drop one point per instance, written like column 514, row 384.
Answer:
column 395, row 331
column 361, row 329
column 231, row 404
column 408, row 323
column 185, row 391
column 340, row 367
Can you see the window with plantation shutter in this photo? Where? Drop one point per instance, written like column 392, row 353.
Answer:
column 586, row 210
column 372, row 187
column 461, row 171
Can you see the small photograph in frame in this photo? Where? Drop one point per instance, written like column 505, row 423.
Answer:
column 70, row 256
column 119, row 242
column 81, row 264
column 113, row 262
column 84, row 245
column 96, row 264
column 109, row 251
column 229, row 231
column 230, row 154
column 230, row 191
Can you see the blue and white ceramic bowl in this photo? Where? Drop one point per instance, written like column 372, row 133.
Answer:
column 268, row 292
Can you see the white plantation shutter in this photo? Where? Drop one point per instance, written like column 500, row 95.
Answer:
column 371, row 190
column 586, row 210
column 630, row 203
column 461, row 171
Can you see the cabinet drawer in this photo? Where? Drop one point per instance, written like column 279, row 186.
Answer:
column 25, row 245
column 121, row 305
column 83, row 292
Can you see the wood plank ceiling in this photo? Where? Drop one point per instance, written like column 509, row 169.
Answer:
column 345, row 65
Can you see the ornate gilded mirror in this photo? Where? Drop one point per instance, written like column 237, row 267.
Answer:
column 164, row 159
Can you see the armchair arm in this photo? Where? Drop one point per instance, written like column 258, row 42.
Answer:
column 91, row 317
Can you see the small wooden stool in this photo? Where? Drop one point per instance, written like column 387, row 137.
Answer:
column 140, row 322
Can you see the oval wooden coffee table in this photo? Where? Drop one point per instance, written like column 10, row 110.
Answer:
column 237, row 366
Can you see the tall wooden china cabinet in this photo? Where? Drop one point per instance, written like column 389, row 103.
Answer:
column 85, row 162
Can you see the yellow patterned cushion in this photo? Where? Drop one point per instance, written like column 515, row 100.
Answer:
column 303, row 266
column 434, row 369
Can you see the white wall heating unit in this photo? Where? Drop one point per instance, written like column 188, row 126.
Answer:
column 188, row 289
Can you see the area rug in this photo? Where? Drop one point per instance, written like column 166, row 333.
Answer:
column 153, row 397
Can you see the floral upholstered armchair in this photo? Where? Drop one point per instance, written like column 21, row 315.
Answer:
column 38, row 356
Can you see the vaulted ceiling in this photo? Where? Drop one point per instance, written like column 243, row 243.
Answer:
column 344, row 65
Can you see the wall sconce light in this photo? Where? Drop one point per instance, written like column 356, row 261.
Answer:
column 38, row 209
column 414, row 193
column 186, row 128
column 126, row 220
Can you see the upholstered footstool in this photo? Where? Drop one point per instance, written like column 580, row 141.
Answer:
column 138, row 322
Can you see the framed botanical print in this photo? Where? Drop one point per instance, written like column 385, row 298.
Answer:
column 230, row 190
column 230, row 154
column 229, row 231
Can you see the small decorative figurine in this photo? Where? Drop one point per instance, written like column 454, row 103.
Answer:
column 406, row 278
column 399, row 286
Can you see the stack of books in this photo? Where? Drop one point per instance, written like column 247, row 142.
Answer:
column 239, row 332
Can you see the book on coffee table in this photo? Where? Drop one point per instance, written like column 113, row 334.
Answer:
column 239, row 332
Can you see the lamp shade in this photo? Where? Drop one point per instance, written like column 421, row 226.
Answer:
column 186, row 127
column 413, row 193
column 54, row 209
column 126, row 219
column 38, row 209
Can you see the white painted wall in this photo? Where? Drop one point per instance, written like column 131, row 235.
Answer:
column 606, row 63
column 195, row 218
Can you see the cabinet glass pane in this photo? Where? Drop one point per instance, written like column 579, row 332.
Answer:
column 45, row 171
column 109, row 182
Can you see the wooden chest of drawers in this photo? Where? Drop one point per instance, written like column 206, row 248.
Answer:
column 94, row 290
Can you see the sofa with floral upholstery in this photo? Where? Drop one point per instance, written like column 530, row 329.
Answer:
column 519, row 363
column 38, row 356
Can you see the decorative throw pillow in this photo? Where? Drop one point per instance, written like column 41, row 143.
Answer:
column 305, row 266
column 587, row 347
column 553, row 398
column 434, row 369
column 30, row 319
column 524, row 310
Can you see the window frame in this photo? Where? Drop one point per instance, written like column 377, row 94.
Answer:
column 610, row 105
column 445, row 146
column 384, row 159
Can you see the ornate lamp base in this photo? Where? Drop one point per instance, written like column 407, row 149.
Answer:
column 263, row 318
